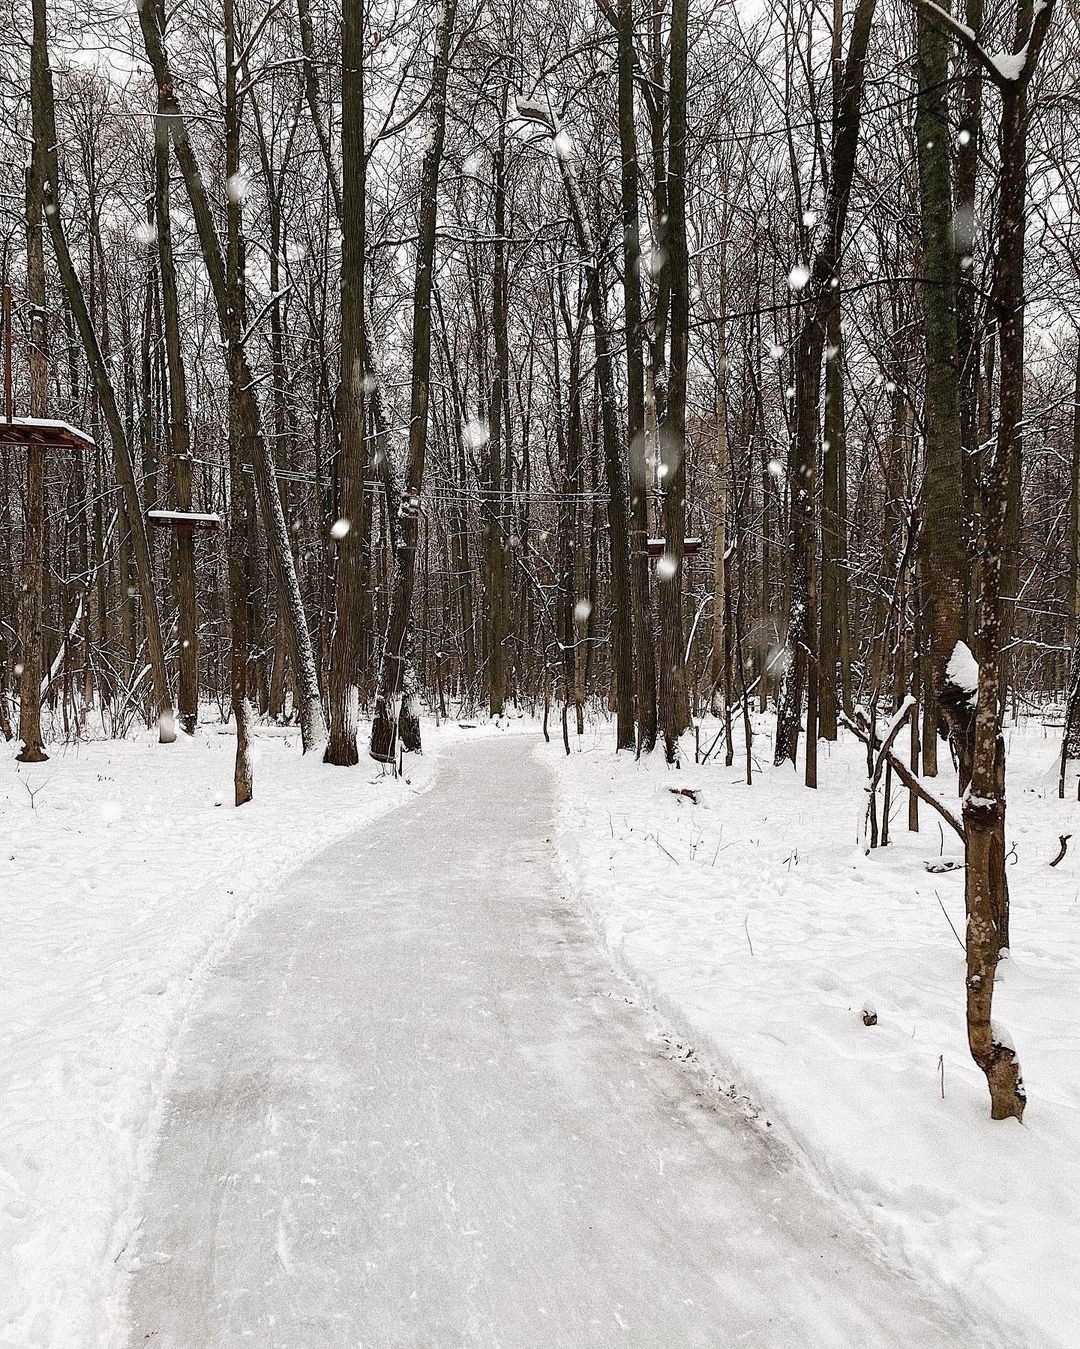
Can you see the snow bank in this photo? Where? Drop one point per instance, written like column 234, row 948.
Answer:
column 122, row 880
column 763, row 935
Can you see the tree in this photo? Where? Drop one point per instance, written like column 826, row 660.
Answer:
column 969, row 693
column 674, row 703
column 42, row 100
column 817, row 283
column 395, row 656
column 282, row 564
column 346, row 643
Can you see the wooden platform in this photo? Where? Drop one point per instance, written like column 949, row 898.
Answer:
column 42, row 431
column 183, row 520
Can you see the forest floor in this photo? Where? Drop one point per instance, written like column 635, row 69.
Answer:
column 761, row 930
column 151, row 933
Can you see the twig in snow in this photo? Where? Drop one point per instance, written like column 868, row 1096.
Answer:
column 945, row 911
column 941, row 1070
column 1063, row 849
column 35, row 792
column 656, row 840
column 746, row 929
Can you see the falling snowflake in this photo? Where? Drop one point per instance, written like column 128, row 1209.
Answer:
column 475, row 434
column 236, row 188
column 564, row 145
column 339, row 529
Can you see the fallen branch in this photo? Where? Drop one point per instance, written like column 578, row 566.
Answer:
column 908, row 778
column 1063, row 849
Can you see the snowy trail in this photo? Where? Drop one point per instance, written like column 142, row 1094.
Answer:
column 415, row 1109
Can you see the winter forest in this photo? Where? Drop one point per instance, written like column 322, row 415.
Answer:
column 593, row 480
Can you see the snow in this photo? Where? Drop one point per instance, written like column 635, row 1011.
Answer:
column 1009, row 65
column 761, row 932
column 962, row 671
column 131, row 907
column 423, row 1110
column 121, row 884
column 209, row 519
column 49, row 424
column 798, row 276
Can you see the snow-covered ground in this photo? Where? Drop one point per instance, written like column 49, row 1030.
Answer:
column 761, row 930
column 125, row 874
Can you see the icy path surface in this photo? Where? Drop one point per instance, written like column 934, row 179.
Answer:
column 417, row 1109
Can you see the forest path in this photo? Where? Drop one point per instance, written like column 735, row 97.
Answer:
column 415, row 1108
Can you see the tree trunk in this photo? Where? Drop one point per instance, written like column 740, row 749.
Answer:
column 801, row 645
column 179, row 434
column 395, row 648
column 637, row 445
column 497, row 528
column 347, row 641
column 674, row 703
column 833, row 525
column 33, row 747
column 240, row 434
column 986, row 884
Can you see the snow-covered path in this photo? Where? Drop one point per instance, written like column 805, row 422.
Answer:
column 417, row 1108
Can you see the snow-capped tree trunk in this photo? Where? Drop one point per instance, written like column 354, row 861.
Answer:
column 279, row 548
column 986, row 885
column 44, row 117
column 346, row 643
column 394, row 655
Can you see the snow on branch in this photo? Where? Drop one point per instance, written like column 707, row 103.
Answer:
column 1004, row 68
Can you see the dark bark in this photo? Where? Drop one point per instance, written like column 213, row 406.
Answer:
column 497, row 529
column 179, row 435
column 674, row 702
column 279, row 547
column 637, row 446
column 395, row 649
column 346, row 645
column 45, row 134
column 30, row 637
column 240, row 434
column 801, row 645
